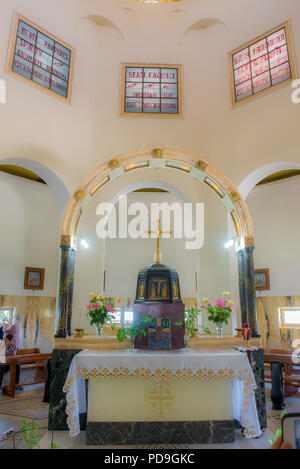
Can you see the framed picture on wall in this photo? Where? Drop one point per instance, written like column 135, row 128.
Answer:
column 34, row 278
column 262, row 279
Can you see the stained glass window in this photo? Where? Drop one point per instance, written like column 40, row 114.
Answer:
column 262, row 64
column 153, row 89
column 41, row 58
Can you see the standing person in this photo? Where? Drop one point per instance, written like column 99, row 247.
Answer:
column 10, row 351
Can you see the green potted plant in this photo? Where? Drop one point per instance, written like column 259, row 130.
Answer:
column 191, row 323
column 220, row 313
column 32, row 439
column 134, row 330
column 100, row 312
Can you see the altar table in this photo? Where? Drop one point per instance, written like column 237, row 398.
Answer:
column 157, row 388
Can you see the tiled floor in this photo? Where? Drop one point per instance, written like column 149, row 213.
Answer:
column 29, row 391
column 15, row 422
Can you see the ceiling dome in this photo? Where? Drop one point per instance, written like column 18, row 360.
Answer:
column 157, row 1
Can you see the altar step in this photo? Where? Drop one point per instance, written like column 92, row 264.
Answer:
column 64, row 441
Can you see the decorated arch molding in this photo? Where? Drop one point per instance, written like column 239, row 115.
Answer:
column 175, row 160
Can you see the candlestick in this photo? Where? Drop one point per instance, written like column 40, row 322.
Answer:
column 79, row 334
column 246, row 335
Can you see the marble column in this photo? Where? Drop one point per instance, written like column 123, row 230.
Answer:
column 243, row 301
column 65, row 291
column 247, row 289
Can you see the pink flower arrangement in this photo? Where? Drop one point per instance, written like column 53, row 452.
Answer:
column 221, row 312
column 99, row 312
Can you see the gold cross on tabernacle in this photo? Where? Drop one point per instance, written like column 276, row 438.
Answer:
column 158, row 232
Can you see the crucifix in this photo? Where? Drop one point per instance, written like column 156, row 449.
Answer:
column 158, row 232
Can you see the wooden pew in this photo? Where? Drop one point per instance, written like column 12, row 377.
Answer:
column 40, row 367
column 291, row 375
column 29, row 358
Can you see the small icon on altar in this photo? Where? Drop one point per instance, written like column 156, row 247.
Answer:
column 141, row 289
column 159, row 334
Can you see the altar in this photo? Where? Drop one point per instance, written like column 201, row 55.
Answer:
column 158, row 392
column 171, row 397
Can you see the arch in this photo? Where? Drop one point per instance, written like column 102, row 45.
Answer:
column 202, row 25
column 104, row 22
column 174, row 160
column 60, row 191
column 258, row 174
column 160, row 158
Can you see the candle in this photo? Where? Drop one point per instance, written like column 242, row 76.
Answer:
column 80, row 318
column 238, row 318
column 246, row 332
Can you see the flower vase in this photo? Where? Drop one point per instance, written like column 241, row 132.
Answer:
column 186, row 339
column 131, row 343
column 99, row 331
column 219, row 330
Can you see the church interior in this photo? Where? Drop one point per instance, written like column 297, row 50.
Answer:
column 149, row 262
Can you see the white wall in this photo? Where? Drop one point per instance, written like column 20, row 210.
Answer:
column 125, row 257
column 275, row 211
column 29, row 234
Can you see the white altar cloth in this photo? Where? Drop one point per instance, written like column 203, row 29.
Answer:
column 183, row 364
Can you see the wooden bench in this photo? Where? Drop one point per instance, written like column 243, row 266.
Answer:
column 40, row 367
column 26, row 358
column 291, row 373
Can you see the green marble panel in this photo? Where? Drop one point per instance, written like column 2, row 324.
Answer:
column 60, row 364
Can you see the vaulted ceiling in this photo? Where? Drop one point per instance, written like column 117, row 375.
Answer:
column 72, row 140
